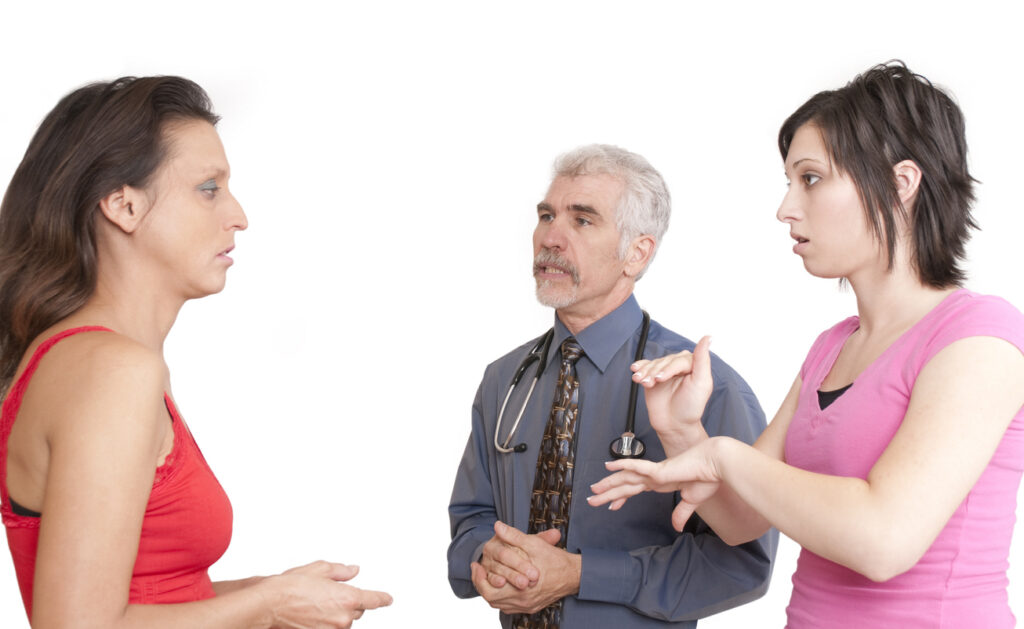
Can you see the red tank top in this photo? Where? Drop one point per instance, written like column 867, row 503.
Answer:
column 186, row 528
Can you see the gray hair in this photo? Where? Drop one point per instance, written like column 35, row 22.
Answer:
column 645, row 206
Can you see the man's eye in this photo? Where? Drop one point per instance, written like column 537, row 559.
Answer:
column 582, row 221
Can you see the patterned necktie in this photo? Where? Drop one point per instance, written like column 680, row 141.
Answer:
column 552, row 486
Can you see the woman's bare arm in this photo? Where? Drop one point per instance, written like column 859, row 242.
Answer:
column 678, row 387
column 106, row 433
column 961, row 405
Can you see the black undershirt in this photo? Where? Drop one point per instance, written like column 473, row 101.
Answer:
column 22, row 511
column 825, row 398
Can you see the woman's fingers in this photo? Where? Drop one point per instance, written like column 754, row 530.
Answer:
column 701, row 367
column 661, row 369
column 373, row 599
column 329, row 569
column 633, row 476
column 642, row 466
column 681, row 514
column 617, row 494
column 652, row 372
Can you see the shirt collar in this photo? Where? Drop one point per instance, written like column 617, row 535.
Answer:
column 601, row 339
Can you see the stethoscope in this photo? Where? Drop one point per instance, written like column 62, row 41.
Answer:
column 625, row 447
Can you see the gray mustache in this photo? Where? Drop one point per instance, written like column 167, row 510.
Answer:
column 547, row 257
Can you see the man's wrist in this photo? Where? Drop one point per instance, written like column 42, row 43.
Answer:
column 576, row 564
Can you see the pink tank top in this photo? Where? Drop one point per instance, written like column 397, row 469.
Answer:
column 961, row 580
column 186, row 527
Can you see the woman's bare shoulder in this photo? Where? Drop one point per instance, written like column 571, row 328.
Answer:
column 98, row 354
column 89, row 372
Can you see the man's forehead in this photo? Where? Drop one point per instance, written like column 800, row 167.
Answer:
column 600, row 191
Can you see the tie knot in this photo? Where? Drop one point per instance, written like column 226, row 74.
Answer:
column 571, row 350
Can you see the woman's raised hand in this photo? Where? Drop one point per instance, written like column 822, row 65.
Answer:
column 677, row 390
column 693, row 474
column 677, row 386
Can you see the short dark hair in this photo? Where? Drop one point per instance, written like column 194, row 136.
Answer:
column 97, row 139
column 880, row 118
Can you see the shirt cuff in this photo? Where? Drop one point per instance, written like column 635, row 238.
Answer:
column 478, row 553
column 605, row 576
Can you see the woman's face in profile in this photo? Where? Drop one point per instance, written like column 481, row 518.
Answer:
column 191, row 224
column 824, row 211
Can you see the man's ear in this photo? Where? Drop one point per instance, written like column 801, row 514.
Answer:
column 639, row 254
column 125, row 208
column 908, row 179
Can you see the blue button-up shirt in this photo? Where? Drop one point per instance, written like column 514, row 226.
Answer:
column 637, row 571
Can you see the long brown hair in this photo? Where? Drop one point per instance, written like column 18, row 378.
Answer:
column 97, row 139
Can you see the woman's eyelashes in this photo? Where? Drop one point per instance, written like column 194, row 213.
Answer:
column 809, row 179
column 209, row 188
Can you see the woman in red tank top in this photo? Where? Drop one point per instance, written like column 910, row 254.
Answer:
column 119, row 213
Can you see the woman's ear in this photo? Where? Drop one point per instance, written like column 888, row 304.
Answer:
column 908, row 179
column 125, row 208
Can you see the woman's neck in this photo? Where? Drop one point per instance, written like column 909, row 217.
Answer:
column 894, row 300
column 131, row 308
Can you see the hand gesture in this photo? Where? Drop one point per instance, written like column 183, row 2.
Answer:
column 677, row 390
column 693, row 474
column 558, row 572
column 313, row 596
column 504, row 562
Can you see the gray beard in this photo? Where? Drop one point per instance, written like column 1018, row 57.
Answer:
column 555, row 301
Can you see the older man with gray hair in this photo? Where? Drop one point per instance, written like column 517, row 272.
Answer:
column 548, row 414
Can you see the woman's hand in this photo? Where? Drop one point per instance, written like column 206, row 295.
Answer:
column 313, row 596
column 693, row 474
column 677, row 390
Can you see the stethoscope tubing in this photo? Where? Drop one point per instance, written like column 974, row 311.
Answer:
column 634, row 388
column 543, row 345
column 629, row 445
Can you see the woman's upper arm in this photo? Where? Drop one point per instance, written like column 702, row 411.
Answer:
column 961, row 405
column 773, row 440
column 105, row 434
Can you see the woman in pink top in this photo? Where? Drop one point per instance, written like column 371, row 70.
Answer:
column 896, row 456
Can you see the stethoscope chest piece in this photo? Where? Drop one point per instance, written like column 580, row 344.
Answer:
column 627, row 447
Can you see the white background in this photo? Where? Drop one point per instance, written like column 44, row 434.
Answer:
column 390, row 155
